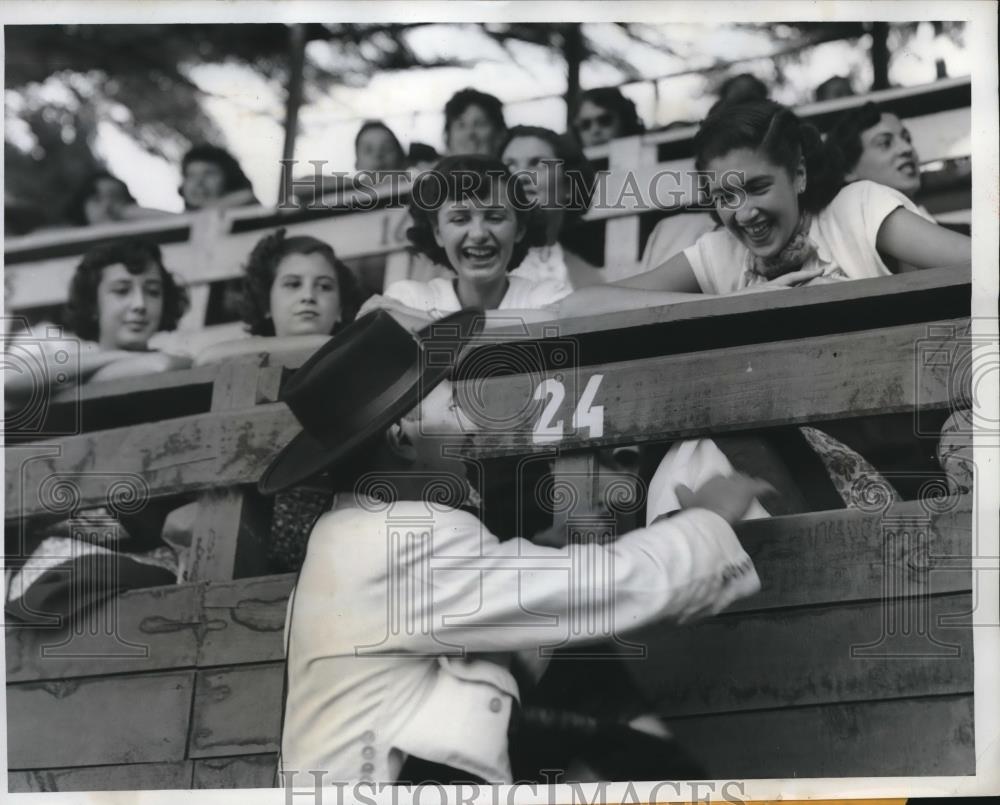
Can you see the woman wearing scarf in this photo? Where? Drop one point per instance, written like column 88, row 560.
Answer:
column 787, row 219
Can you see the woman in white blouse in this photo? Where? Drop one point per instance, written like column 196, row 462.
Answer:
column 786, row 220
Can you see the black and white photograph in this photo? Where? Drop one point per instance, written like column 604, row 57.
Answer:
column 500, row 402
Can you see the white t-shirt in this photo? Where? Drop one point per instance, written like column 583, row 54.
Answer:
column 437, row 297
column 543, row 263
column 844, row 233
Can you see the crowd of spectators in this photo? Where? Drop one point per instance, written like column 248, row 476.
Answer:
column 809, row 210
column 497, row 224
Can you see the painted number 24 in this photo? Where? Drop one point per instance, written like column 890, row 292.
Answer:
column 586, row 415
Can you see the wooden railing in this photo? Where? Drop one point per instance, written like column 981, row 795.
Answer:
column 211, row 246
column 814, row 676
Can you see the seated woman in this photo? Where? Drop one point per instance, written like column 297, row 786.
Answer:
column 473, row 123
column 103, row 199
column 376, row 148
column 211, row 178
column 119, row 297
column 786, row 220
column 559, row 179
column 296, row 295
column 470, row 216
column 876, row 145
column 604, row 114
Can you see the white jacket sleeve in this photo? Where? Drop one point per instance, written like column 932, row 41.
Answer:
column 517, row 595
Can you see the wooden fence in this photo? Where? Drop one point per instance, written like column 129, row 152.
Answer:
column 642, row 174
column 854, row 660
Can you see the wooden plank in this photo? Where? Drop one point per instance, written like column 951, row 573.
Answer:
column 95, row 392
column 232, row 525
column 134, row 777
column 205, row 451
column 248, row 771
column 248, row 620
column 855, row 305
column 629, row 156
column 237, row 711
column 904, row 737
column 107, row 720
column 853, row 555
column 907, row 102
column 804, row 657
column 229, row 535
column 716, row 391
column 141, row 630
column 804, row 380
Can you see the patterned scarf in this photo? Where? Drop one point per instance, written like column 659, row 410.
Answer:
column 793, row 255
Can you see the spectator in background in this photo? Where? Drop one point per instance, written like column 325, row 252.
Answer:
column 558, row 178
column 297, row 294
column 875, row 145
column 212, row 178
column 835, row 87
column 473, row 123
column 741, row 88
column 376, row 148
column 104, row 198
column 602, row 115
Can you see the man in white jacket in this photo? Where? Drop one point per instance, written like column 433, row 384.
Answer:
column 408, row 610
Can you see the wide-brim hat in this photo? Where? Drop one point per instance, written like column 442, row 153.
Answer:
column 359, row 383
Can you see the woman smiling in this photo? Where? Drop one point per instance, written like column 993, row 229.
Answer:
column 471, row 216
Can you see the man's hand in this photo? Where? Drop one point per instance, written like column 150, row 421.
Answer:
column 729, row 497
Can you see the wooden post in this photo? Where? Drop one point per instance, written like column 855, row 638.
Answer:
column 232, row 524
column 621, row 249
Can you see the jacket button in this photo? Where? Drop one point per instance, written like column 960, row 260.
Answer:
column 496, row 705
column 367, row 768
column 368, row 752
column 368, row 736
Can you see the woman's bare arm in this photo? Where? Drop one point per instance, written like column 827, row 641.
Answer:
column 917, row 243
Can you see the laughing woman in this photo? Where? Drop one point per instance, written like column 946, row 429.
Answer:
column 471, row 216
column 787, row 220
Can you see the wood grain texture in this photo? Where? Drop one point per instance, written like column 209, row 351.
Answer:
column 790, row 382
column 935, row 281
column 192, row 454
column 248, row 771
column 248, row 618
column 852, row 555
column 804, row 657
column 237, row 711
column 134, row 777
column 141, row 630
column 902, row 737
column 109, row 720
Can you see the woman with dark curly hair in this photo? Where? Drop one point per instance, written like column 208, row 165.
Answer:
column 603, row 114
column 296, row 294
column 212, row 178
column 473, row 217
column 558, row 177
column 119, row 297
